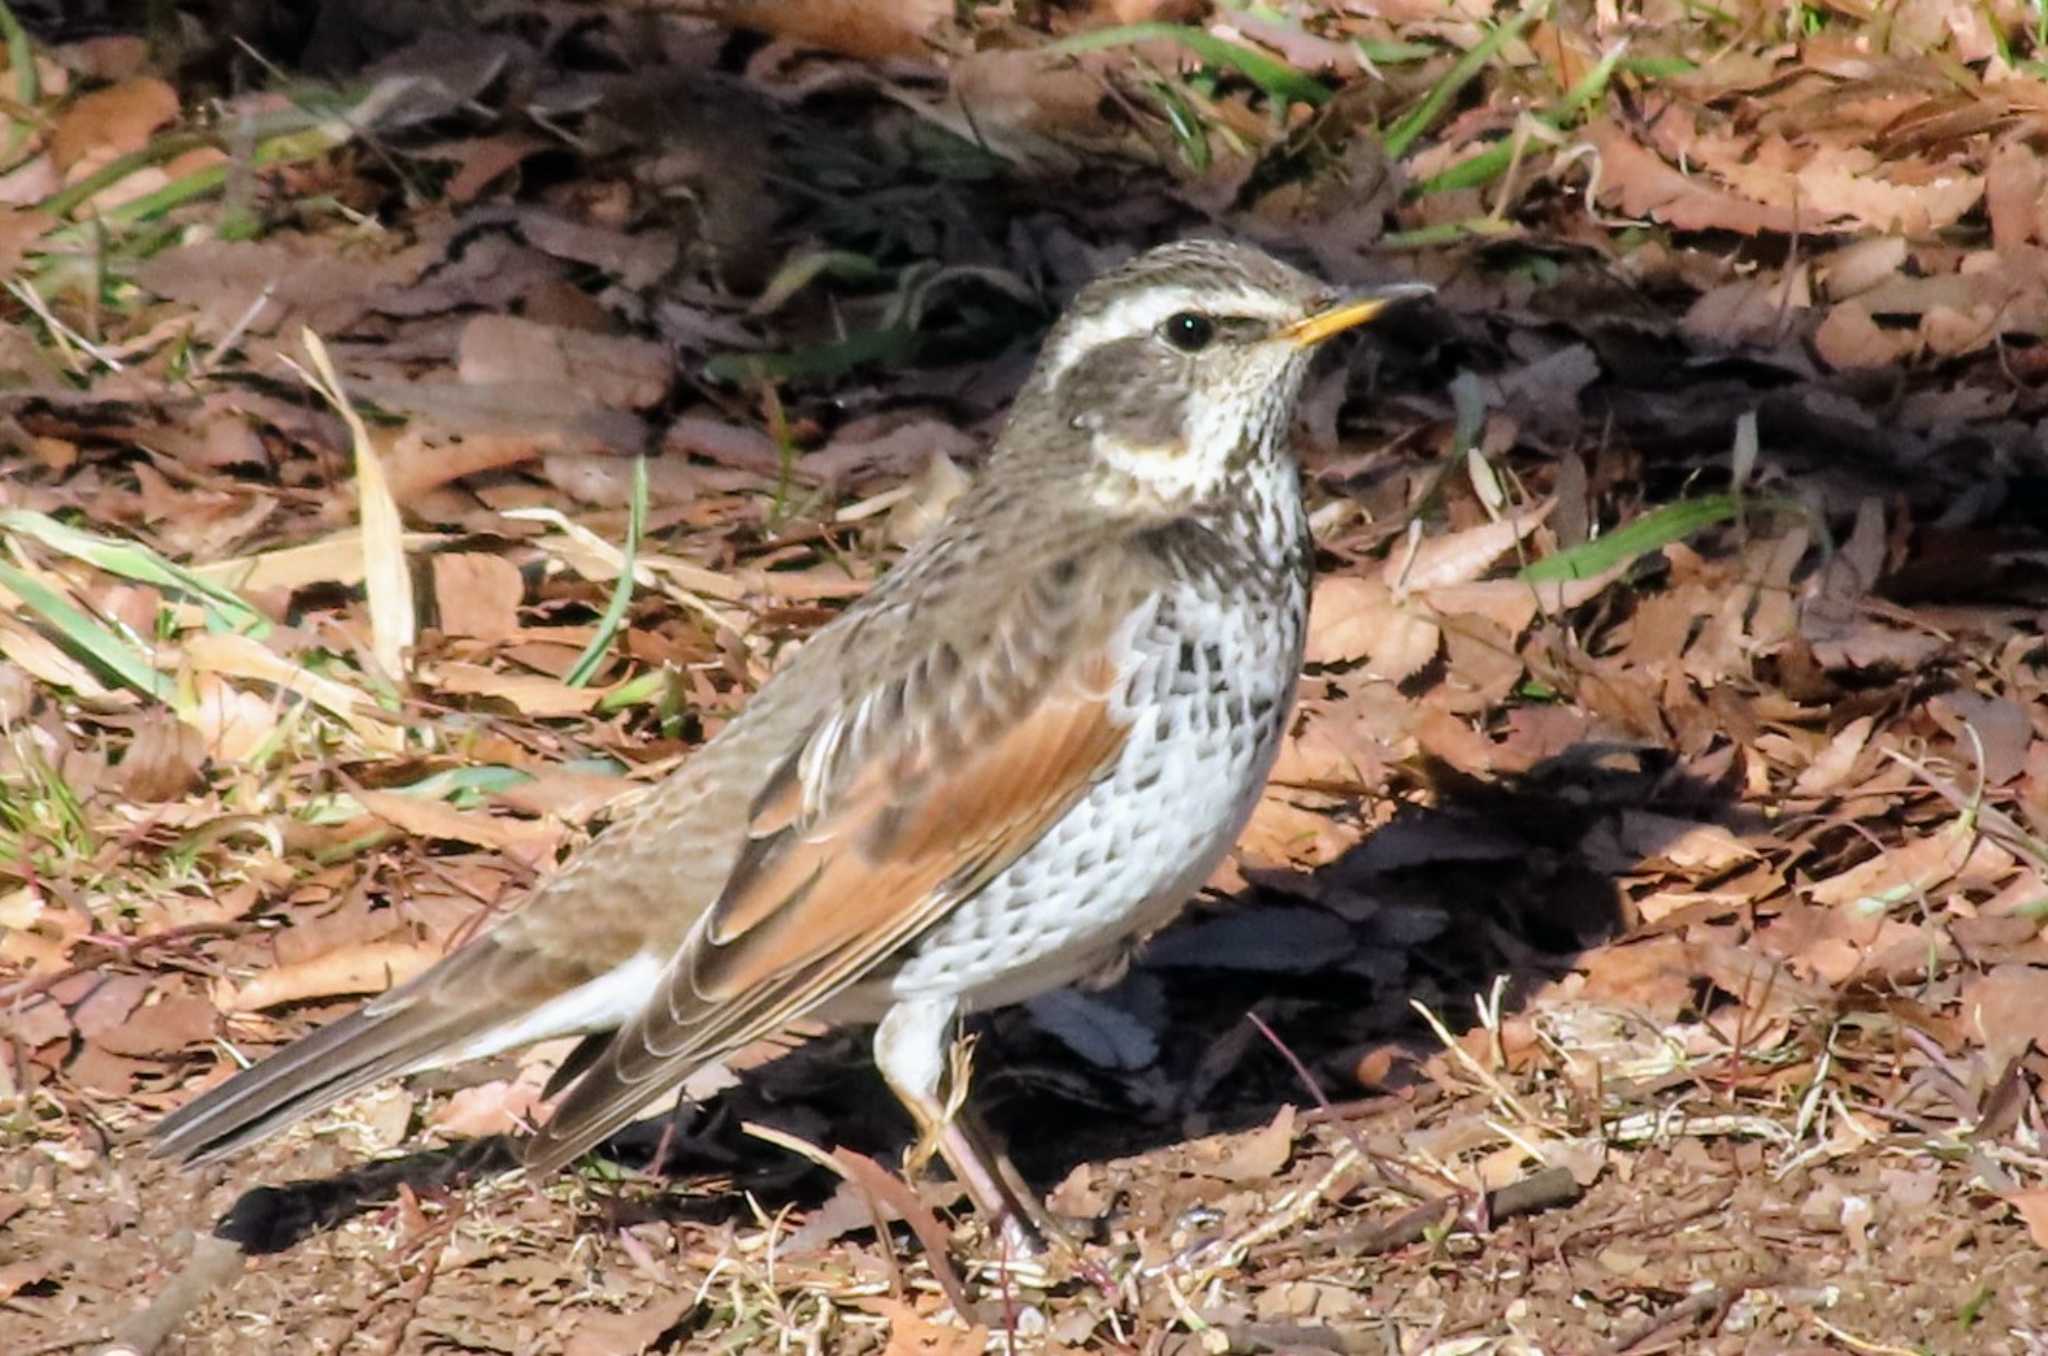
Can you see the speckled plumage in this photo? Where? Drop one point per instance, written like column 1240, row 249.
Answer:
column 1019, row 753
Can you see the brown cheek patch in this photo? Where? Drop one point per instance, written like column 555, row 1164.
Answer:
column 1132, row 390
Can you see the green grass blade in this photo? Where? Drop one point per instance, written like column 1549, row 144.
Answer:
column 21, row 60
column 1451, row 233
column 86, row 636
column 645, row 687
column 131, row 560
column 1394, row 53
column 1470, row 172
column 1278, row 79
column 1402, row 134
column 892, row 344
column 622, row 590
column 1592, row 85
column 1651, row 532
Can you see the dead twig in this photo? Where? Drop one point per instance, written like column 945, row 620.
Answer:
column 214, row 1265
column 1538, row 1191
column 1701, row 1313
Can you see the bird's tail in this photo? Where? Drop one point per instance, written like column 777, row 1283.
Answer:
column 338, row 1060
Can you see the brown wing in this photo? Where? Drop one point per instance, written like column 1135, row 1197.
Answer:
column 869, row 834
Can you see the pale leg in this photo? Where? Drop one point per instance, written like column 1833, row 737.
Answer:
column 910, row 1050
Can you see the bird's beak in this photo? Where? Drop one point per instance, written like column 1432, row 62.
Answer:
column 1351, row 311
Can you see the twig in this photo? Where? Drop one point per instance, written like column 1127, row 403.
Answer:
column 121, row 948
column 1389, row 1172
column 214, row 1264
column 1702, row 1313
column 881, row 1188
column 1538, row 1191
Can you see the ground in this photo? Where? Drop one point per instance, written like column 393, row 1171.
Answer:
column 1637, row 950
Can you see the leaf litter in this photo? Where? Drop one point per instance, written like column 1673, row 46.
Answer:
column 1665, row 809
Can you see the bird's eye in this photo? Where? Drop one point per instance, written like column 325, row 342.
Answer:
column 1188, row 331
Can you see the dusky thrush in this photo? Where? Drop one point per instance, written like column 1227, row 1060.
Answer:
column 1015, row 756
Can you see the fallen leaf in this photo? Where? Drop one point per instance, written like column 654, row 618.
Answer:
column 1832, row 767
column 590, row 370
column 1347, row 616
column 176, row 1023
column 603, row 1332
column 366, row 969
column 1462, row 556
column 477, row 595
column 1992, row 733
column 1642, row 184
column 532, row 841
column 1273, row 940
column 2032, row 1204
column 112, row 121
column 1897, row 874
column 1258, row 1156
column 1104, row 1034
column 534, row 695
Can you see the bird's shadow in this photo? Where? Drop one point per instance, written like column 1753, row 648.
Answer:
column 1491, row 884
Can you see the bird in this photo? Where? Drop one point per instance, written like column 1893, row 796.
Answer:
column 1010, row 761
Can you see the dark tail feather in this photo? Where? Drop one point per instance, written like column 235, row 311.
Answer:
column 340, row 1059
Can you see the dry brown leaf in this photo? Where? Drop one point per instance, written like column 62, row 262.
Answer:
column 108, row 1003
column 1458, row 557
column 1513, row 603
column 1282, row 832
column 1764, row 984
column 232, row 723
column 477, row 595
column 1848, row 337
column 387, row 580
column 41, row 658
column 1406, row 647
column 1861, row 265
column 162, row 760
column 1259, row 1155
column 1846, row 185
column 20, row 228
column 1898, row 874
column 500, row 1107
column 371, row 967
column 337, row 559
column 1682, row 842
column 238, row 656
column 532, row 841
column 112, row 121
column 1834, row 763
column 855, row 28
column 2002, row 1007
column 479, row 160
column 605, row 1332
column 2016, row 195
column 592, row 370
column 572, row 797
column 176, row 1023
column 1992, row 733
column 1749, row 310
column 1654, row 976
column 911, row 1334
column 1641, row 184
column 1347, row 615
column 2032, row 1205
column 533, row 694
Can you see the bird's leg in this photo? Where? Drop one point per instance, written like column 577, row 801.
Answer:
column 910, row 1050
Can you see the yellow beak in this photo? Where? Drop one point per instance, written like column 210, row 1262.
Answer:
column 1350, row 312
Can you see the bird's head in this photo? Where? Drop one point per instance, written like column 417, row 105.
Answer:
column 1171, row 375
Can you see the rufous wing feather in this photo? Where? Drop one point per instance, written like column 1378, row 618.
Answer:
column 818, row 899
